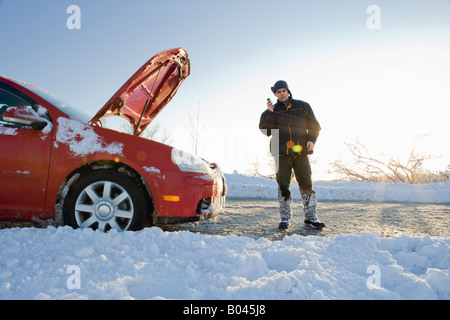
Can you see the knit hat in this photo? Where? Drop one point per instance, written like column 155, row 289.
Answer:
column 280, row 84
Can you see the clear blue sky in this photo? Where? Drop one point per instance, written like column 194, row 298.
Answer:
column 384, row 86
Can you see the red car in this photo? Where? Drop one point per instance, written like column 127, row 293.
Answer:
column 57, row 165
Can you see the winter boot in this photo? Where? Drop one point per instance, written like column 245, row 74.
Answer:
column 309, row 200
column 285, row 210
column 284, row 224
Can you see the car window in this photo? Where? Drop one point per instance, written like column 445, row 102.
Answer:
column 11, row 97
column 61, row 105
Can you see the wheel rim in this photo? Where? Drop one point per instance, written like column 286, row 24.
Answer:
column 104, row 205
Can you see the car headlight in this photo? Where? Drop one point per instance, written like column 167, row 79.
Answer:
column 188, row 162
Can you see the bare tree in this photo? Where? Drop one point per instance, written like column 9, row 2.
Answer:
column 256, row 171
column 153, row 132
column 366, row 167
column 195, row 128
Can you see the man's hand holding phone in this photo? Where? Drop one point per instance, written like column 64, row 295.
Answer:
column 269, row 105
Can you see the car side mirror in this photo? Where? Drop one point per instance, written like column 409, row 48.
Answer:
column 23, row 116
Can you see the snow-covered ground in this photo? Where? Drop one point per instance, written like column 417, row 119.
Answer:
column 242, row 186
column 62, row 263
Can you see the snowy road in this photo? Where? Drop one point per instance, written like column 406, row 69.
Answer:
column 259, row 218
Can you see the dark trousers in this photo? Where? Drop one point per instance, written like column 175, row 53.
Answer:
column 302, row 171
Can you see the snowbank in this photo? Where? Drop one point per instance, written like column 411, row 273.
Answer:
column 241, row 186
column 62, row 263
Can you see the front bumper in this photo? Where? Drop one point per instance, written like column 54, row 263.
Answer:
column 212, row 209
column 186, row 197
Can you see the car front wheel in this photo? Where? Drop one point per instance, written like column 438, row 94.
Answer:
column 105, row 200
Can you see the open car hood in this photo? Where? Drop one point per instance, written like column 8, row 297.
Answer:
column 148, row 91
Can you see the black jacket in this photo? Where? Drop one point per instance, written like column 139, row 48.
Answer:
column 296, row 123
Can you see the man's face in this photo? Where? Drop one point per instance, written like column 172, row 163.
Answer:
column 282, row 94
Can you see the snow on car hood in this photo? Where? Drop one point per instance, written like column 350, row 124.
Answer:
column 148, row 91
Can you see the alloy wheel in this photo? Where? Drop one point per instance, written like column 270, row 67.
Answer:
column 104, row 205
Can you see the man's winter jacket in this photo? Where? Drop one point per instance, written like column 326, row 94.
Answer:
column 296, row 126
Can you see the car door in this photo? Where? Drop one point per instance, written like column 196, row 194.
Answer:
column 24, row 158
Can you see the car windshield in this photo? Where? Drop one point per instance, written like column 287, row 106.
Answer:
column 61, row 105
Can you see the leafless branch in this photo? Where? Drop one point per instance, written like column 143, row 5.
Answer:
column 365, row 167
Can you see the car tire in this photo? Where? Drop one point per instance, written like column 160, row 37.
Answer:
column 104, row 200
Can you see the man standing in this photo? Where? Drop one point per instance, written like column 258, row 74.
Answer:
column 293, row 123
